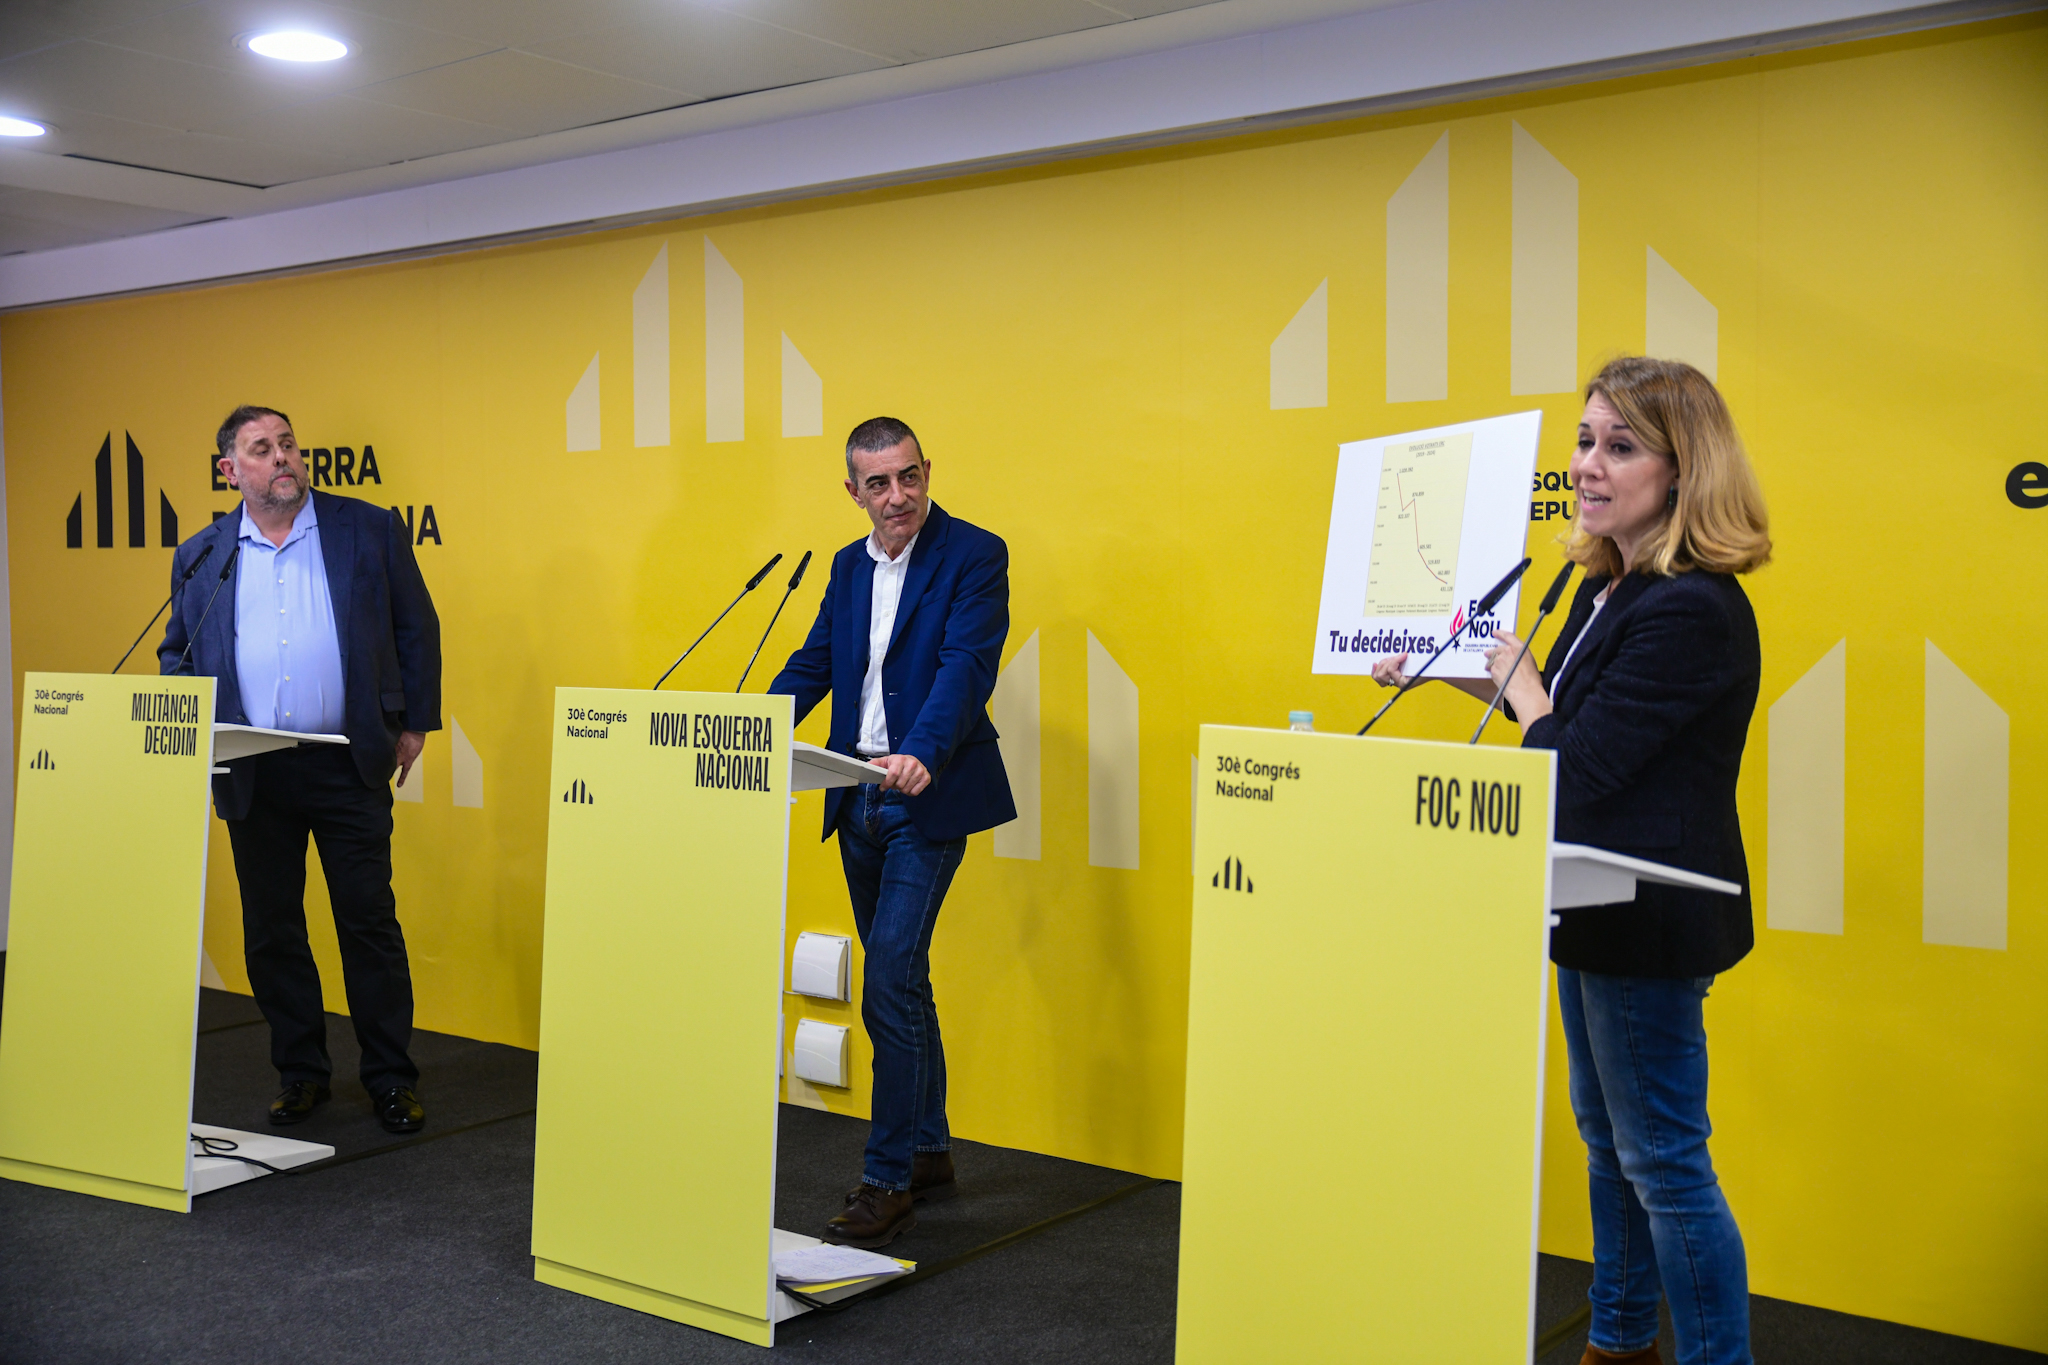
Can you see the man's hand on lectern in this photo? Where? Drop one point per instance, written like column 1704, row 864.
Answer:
column 906, row 774
column 409, row 745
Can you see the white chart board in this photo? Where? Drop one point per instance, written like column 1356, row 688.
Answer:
column 1421, row 525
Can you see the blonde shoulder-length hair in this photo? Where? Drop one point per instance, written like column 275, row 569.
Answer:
column 1719, row 523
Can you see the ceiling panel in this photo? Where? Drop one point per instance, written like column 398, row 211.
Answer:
column 123, row 84
column 240, row 160
column 90, row 134
column 517, row 23
column 27, row 24
column 525, row 93
column 204, row 34
column 914, row 30
column 162, row 84
column 709, row 52
column 34, row 220
column 1145, row 9
column 359, row 132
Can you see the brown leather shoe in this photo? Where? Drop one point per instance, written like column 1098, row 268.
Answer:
column 873, row 1217
column 1647, row 1356
column 931, row 1177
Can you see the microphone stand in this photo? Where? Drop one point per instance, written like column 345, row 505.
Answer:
column 225, row 570
column 1543, row 609
column 167, row 601
column 1486, row 604
column 752, row 583
column 794, row 579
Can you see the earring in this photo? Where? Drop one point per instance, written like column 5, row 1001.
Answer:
column 1671, row 499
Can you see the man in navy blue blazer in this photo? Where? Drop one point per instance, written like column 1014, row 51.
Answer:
column 314, row 619
column 907, row 641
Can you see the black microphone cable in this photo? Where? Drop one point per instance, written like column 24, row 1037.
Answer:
column 752, row 583
column 204, row 556
column 794, row 579
column 1486, row 604
column 225, row 570
column 1543, row 609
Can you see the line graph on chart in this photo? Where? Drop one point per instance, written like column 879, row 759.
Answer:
column 1415, row 528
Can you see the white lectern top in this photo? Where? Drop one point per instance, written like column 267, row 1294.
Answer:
column 813, row 768
column 1583, row 875
column 241, row 741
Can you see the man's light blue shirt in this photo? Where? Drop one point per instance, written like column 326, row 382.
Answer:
column 287, row 652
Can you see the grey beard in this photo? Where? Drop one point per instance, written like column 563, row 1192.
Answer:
column 268, row 502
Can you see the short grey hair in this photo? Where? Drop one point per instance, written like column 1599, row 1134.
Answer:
column 879, row 433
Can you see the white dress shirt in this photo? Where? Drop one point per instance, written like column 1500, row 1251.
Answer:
column 287, row 651
column 1580, row 639
column 874, row 717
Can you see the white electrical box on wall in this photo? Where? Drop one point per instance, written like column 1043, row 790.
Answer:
column 821, row 1052
column 822, row 966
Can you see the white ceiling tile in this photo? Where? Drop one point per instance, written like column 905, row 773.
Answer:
column 122, row 84
column 26, row 24
column 238, row 160
column 1144, row 9
column 708, row 52
column 526, row 93
column 516, row 23
column 32, row 220
column 84, row 133
column 915, row 30
column 204, row 34
column 360, row 133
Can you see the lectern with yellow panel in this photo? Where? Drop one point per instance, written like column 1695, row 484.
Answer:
column 661, row 980
column 1365, row 1045
column 109, row 901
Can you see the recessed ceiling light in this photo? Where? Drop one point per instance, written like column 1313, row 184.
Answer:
column 20, row 127
column 298, row 46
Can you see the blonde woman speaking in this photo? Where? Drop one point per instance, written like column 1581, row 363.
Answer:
column 1647, row 703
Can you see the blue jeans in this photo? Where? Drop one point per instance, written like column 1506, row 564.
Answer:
column 1638, row 1048
column 897, row 879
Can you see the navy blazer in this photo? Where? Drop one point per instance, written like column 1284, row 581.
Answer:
column 1649, row 726
column 936, row 677
column 389, row 635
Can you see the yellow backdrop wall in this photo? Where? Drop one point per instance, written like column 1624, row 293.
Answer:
column 1852, row 238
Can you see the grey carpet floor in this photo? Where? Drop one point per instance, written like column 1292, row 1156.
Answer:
column 418, row 1250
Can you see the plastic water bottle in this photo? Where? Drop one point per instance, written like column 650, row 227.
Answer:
column 1303, row 721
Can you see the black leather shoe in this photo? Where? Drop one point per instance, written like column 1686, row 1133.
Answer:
column 398, row 1109
column 931, row 1177
column 874, row 1217
column 296, row 1101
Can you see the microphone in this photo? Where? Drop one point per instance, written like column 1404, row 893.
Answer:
column 794, row 579
column 203, row 557
column 752, row 583
column 1486, row 604
column 1543, row 609
column 225, row 570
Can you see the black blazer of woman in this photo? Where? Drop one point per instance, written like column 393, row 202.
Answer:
column 1649, row 725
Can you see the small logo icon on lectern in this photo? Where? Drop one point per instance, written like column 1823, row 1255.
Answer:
column 42, row 761
column 1232, row 877
column 579, row 794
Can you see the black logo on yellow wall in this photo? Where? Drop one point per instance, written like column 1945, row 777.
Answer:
column 42, row 762
column 1232, row 877
column 579, row 794
column 103, row 504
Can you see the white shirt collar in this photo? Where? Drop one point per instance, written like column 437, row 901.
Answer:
column 305, row 521
column 876, row 552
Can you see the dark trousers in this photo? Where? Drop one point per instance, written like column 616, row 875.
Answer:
column 316, row 790
column 897, row 879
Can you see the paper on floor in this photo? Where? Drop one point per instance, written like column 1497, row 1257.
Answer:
column 827, row 1262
